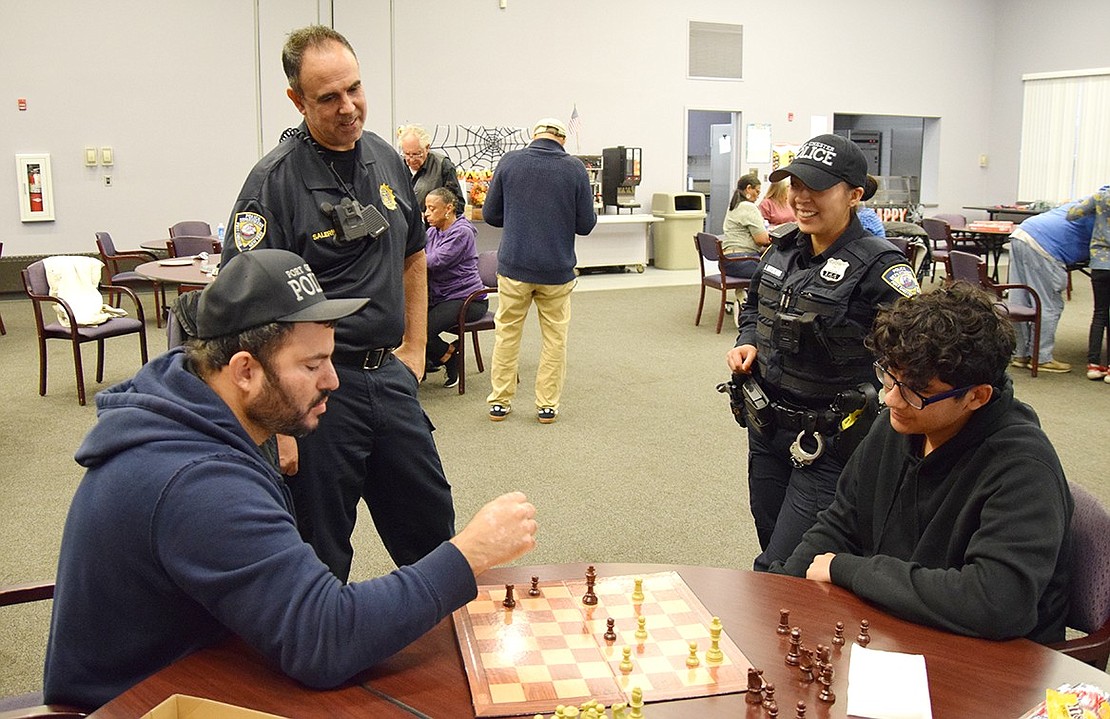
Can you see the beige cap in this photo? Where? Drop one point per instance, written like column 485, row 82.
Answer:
column 549, row 124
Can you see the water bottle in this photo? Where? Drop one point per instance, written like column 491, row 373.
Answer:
column 220, row 229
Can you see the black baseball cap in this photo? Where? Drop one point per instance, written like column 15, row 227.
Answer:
column 826, row 160
column 264, row 286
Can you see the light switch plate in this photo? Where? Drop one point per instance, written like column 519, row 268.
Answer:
column 90, row 157
column 106, row 156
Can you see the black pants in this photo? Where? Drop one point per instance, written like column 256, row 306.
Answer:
column 444, row 317
column 1100, row 285
column 785, row 499
column 374, row 443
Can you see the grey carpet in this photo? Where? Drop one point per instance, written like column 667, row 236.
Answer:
column 645, row 463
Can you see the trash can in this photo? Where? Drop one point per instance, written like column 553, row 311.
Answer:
column 683, row 215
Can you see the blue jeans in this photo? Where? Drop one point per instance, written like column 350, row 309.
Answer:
column 785, row 499
column 1049, row 279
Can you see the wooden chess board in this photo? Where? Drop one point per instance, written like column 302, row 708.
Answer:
column 550, row 650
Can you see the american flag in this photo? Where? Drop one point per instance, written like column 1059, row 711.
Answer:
column 575, row 124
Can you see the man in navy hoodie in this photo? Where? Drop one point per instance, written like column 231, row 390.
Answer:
column 182, row 532
column 542, row 197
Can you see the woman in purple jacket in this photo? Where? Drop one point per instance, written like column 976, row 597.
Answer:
column 452, row 275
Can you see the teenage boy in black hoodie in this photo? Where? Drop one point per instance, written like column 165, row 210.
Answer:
column 954, row 511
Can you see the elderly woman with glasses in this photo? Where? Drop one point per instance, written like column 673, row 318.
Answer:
column 429, row 169
column 809, row 307
column 954, row 511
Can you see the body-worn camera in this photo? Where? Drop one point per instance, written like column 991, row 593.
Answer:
column 355, row 221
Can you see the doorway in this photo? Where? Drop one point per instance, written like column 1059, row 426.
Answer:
column 712, row 160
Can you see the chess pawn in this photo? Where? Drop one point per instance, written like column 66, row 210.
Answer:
column 570, row 712
column 768, row 695
column 838, row 635
column 784, row 622
column 610, row 635
column 626, row 660
column 793, row 656
column 641, row 628
column 773, row 711
column 864, row 636
column 692, row 660
column 826, row 694
column 800, row 710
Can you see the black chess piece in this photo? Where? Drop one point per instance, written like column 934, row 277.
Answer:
column 793, row 656
column 864, row 636
column 610, row 634
column 784, row 622
column 825, row 679
column 591, row 577
column 535, row 590
column 838, row 635
column 509, row 602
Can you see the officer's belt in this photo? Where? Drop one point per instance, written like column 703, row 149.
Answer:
column 367, row 360
column 794, row 419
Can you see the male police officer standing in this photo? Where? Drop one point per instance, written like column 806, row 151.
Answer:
column 341, row 199
column 811, row 303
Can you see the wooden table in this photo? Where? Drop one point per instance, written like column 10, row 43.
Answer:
column 155, row 245
column 993, row 211
column 174, row 274
column 967, row 677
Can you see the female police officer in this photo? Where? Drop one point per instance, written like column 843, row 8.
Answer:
column 810, row 394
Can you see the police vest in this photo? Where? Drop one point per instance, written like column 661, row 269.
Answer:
column 809, row 329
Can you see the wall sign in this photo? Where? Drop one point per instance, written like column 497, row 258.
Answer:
column 36, row 188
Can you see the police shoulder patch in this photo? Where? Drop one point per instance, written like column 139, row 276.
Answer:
column 249, row 229
column 902, row 279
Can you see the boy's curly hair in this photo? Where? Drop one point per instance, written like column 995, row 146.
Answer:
column 959, row 334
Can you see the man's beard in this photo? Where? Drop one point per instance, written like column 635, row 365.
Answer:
column 276, row 412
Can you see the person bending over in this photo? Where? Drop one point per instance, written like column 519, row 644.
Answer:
column 954, row 511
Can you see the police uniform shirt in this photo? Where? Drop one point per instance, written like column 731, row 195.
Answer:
column 871, row 271
column 280, row 206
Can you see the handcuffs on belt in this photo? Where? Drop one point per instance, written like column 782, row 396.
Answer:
column 799, row 456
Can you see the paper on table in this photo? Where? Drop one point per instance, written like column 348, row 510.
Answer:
column 887, row 685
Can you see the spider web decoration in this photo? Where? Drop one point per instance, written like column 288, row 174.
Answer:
column 478, row 146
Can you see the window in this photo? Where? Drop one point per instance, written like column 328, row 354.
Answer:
column 1065, row 149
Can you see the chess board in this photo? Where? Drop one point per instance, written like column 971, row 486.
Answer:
column 550, row 650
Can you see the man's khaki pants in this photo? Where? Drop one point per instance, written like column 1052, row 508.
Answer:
column 553, row 307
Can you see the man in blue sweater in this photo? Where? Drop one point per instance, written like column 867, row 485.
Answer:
column 182, row 533
column 542, row 198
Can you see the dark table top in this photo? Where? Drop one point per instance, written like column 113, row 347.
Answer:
column 188, row 274
column 967, row 677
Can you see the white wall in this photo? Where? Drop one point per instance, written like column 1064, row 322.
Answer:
column 174, row 88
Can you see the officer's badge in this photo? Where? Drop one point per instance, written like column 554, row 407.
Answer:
column 903, row 280
column 834, row 270
column 388, row 198
column 249, row 229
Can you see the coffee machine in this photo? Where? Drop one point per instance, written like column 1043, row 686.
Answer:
column 620, row 175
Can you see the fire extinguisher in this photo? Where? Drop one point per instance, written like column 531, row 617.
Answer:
column 34, row 179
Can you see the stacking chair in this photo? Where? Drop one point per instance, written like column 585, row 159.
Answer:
column 1089, row 586
column 966, row 267
column 709, row 250
column 37, row 288
column 30, row 706
column 111, row 258
column 487, row 270
column 956, row 222
column 940, row 242
column 196, row 228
